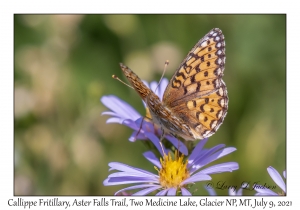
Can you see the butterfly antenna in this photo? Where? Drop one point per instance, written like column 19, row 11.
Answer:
column 165, row 68
column 117, row 78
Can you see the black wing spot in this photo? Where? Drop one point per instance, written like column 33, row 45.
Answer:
column 181, row 74
column 176, row 82
column 198, row 87
column 202, row 58
column 193, row 78
column 202, row 108
column 194, row 103
column 188, row 69
column 185, row 90
column 208, row 63
column 198, row 68
column 206, row 73
column 195, row 56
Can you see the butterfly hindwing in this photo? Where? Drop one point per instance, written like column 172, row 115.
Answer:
column 193, row 90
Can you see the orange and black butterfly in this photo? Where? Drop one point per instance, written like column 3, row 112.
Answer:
column 195, row 101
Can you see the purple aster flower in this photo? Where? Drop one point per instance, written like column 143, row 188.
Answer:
column 122, row 113
column 262, row 190
column 174, row 175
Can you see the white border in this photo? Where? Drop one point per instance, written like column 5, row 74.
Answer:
column 8, row 8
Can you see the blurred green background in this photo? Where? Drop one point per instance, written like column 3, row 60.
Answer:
column 63, row 66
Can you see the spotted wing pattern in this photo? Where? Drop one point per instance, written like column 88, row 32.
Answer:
column 195, row 101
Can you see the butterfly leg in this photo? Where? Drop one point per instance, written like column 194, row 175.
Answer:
column 139, row 129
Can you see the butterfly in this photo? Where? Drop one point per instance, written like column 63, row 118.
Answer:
column 195, row 101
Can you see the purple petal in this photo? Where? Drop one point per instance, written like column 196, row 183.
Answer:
column 120, row 107
column 127, row 168
column 178, row 144
column 240, row 192
column 185, row 192
column 128, row 180
column 284, row 174
column 152, row 158
column 136, row 135
column 220, row 168
column 136, row 125
column 219, row 154
column 162, row 193
column 172, row 191
column 196, row 178
column 110, row 113
column 147, row 191
column 156, row 142
column 162, row 87
column 211, row 158
column 231, row 191
column 114, row 120
column 129, row 174
column 276, row 177
column 130, row 123
column 205, row 153
column 139, row 132
column 196, row 151
column 147, row 126
column 135, row 187
column 153, row 87
column 159, row 91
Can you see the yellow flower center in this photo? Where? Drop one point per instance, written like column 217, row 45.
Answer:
column 172, row 172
